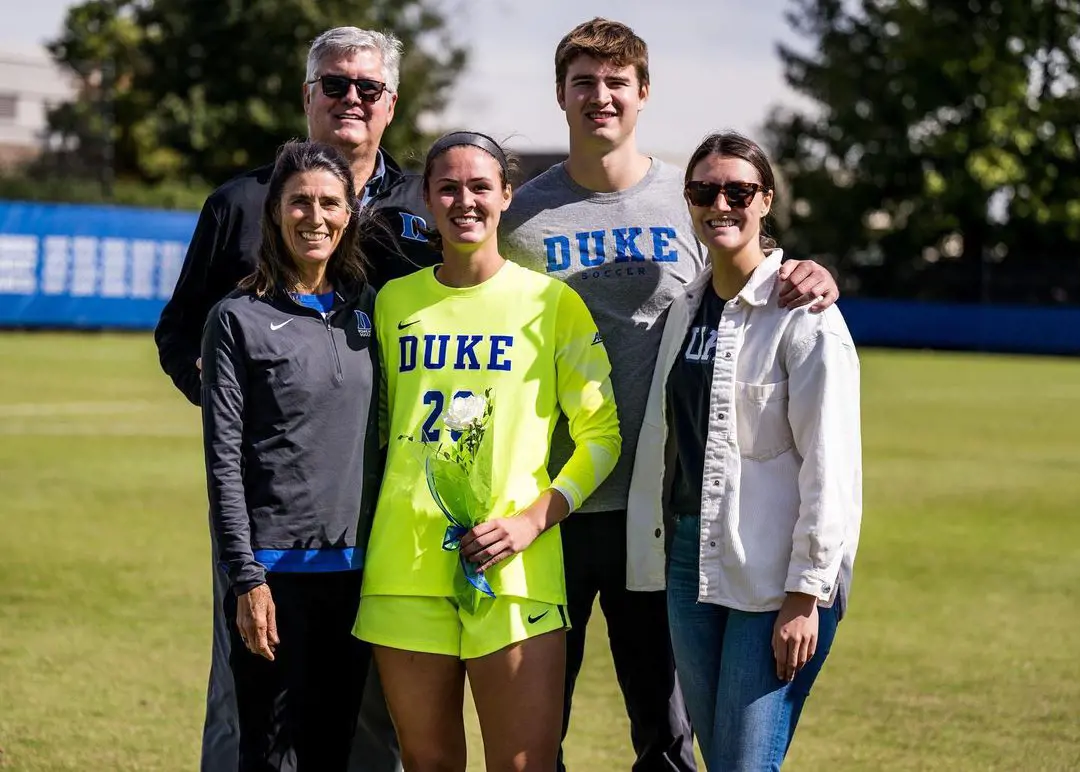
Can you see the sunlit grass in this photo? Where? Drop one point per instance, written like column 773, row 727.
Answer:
column 957, row 654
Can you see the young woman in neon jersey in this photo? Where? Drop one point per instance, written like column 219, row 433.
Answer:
column 473, row 323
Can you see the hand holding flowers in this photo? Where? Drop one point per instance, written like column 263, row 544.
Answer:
column 496, row 540
column 458, row 476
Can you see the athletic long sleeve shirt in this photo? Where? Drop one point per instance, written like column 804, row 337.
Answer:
column 531, row 340
column 290, row 432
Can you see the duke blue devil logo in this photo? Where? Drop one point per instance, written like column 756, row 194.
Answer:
column 412, row 227
column 363, row 324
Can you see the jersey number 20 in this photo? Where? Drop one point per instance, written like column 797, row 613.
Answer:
column 437, row 400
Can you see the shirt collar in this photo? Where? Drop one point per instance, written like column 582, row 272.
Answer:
column 759, row 288
column 374, row 183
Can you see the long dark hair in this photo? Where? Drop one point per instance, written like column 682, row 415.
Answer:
column 275, row 267
column 731, row 144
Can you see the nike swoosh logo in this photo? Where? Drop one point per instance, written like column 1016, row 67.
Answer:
column 279, row 326
column 533, row 620
column 403, row 325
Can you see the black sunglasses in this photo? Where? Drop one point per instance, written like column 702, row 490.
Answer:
column 738, row 194
column 337, row 86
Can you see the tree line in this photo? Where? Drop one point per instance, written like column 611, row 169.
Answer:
column 198, row 90
column 939, row 156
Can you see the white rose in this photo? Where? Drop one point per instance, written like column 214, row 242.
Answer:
column 464, row 412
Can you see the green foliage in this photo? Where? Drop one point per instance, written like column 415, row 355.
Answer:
column 945, row 138
column 206, row 88
column 76, row 190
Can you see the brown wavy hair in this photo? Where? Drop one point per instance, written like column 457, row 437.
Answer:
column 276, row 269
column 606, row 41
column 731, row 144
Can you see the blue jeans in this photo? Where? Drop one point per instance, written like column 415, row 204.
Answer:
column 743, row 715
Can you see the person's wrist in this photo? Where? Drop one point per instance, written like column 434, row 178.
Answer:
column 558, row 505
column 536, row 517
column 801, row 601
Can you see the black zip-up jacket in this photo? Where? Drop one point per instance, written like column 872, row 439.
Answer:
column 224, row 249
column 290, row 427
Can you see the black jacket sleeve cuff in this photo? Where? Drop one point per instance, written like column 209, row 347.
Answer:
column 247, row 578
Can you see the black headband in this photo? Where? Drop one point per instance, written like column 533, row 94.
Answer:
column 482, row 141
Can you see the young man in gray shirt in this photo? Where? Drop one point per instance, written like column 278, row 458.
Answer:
column 612, row 223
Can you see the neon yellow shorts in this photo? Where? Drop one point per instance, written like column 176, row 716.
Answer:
column 435, row 625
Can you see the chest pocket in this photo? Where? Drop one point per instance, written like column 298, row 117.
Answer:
column 762, row 420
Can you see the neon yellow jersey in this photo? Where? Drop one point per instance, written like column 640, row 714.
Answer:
column 533, row 342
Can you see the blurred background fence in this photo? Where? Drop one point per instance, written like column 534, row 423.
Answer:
column 73, row 266
column 93, row 267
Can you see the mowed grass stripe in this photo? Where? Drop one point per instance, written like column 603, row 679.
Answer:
column 957, row 653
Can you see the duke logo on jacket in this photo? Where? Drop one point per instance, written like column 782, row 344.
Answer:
column 363, row 324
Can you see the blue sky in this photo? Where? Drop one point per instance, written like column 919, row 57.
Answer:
column 713, row 65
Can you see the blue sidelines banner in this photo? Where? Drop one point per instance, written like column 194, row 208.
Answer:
column 74, row 266
column 68, row 265
column 997, row 328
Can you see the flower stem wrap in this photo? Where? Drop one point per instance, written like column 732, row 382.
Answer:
column 455, row 484
column 459, row 480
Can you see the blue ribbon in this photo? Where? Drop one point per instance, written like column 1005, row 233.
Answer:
column 452, row 540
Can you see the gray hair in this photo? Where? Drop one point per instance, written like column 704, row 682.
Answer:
column 347, row 41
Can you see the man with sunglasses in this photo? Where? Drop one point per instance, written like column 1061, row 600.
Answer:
column 612, row 222
column 349, row 94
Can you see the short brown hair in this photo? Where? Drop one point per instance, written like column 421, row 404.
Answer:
column 608, row 41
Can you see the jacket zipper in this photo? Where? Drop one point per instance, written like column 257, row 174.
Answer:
column 338, row 375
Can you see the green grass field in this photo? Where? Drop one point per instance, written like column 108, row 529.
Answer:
column 959, row 652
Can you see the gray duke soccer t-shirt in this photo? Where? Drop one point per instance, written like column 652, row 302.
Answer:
column 628, row 254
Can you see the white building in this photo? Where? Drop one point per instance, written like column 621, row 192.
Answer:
column 30, row 83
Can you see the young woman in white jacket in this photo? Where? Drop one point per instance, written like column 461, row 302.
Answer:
column 747, row 491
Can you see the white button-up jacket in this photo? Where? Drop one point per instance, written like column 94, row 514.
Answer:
column 781, row 499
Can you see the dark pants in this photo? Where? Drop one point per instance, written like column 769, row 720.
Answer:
column 298, row 713
column 594, row 553
column 375, row 746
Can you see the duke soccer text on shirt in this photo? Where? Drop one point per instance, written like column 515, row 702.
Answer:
column 590, row 249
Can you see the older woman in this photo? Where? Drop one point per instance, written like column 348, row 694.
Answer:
column 291, row 443
column 749, row 463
